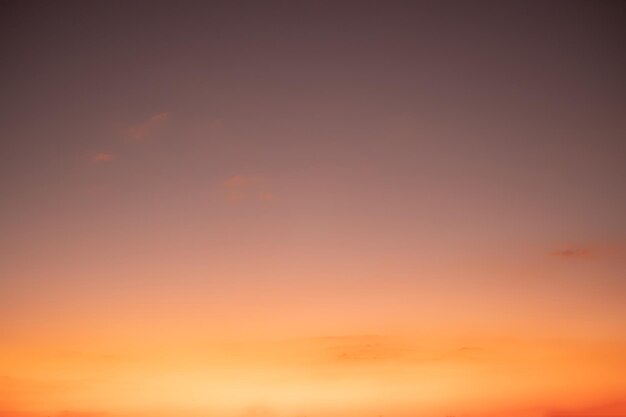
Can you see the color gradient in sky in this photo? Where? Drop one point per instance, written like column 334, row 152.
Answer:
column 312, row 209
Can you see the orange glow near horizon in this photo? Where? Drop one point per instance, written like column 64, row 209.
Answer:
column 336, row 375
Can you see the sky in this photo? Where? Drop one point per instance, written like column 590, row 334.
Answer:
column 312, row 209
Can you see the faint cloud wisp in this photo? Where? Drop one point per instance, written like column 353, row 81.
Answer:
column 241, row 188
column 141, row 131
column 574, row 253
column 590, row 252
column 101, row 157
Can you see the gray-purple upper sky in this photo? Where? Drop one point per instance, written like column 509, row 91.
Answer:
column 313, row 146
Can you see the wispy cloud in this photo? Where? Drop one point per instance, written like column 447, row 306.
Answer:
column 589, row 252
column 575, row 253
column 143, row 130
column 70, row 413
column 266, row 196
column 380, row 350
column 101, row 157
column 240, row 188
column 614, row 409
column 367, row 349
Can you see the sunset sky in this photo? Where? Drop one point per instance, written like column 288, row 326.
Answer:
column 312, row 209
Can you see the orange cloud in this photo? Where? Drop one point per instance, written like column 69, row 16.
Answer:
column 102, row 157
column 142, row 130
column 239, row 188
